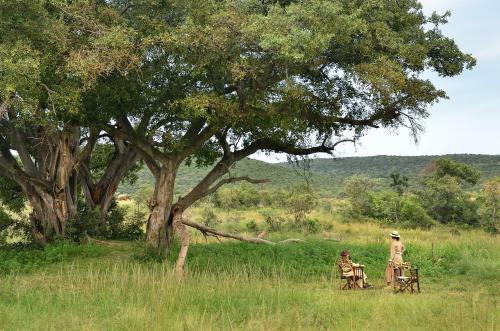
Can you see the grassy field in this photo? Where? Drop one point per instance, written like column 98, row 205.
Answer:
column 233, row 286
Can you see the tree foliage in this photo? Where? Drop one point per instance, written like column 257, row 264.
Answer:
column 211, row 82
column 357, row 190
column 490, row 198
column 399, row 183
column 443, row 192
column 299, row 202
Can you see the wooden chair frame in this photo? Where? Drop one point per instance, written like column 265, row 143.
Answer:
column 351, row 284
column 402, row 283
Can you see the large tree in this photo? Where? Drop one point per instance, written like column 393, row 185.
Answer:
column 220, row 80
column 46, row 142
column 213, row 82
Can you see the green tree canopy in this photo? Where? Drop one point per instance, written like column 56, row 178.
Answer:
column 223, row 79
column 46, row 141
column 215, row 81
column 447, row 167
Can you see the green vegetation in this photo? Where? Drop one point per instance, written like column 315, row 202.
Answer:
column 234, row 285
column 442, row 194
column 327, row 175
column 93, row 91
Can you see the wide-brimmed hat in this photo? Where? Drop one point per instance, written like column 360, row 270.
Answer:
column 395, row 234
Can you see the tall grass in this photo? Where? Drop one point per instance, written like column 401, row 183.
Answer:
column 234, row 286
column 124, row 296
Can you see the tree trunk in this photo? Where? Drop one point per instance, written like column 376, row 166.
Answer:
column 181, row 230
column 56, row 203
column 160, row 225
column 50, row 214
column 65, row 194
column 100, row 195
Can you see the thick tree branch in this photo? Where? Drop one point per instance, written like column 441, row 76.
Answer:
column 291, row 149
column 216, row 233
column 126, row 131
column 220, row 169
column 19, row 145
column 197, row 141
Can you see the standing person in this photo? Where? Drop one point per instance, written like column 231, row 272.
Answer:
column 395, row 257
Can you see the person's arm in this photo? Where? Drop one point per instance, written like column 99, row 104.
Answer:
column 345, row 267
column 392, row 252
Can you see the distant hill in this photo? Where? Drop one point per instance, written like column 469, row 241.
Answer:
column 328, row 175
column 280, row 175
column 411, row 166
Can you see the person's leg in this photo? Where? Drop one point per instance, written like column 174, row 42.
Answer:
column 359, row 282
column 389, row 274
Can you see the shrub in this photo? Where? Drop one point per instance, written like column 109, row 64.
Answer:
column 86, row 222
column 275, row 224
column 115, row 226
column 357, row 190
column 414, row 215
column 391, row 208
column 300, row 202
column 252, row 226
column 308, row 226
column 209, row 218
column 384, row 205
column 248, row 196
column 311, row 225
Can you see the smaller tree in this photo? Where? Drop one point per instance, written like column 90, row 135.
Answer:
column 490, row 198
column 385, row 205
column 226, row 198
column 442, row 191
column 248, row 195
column 356, row 188
column 401, row 210
column 399, row 183
column 300, row 202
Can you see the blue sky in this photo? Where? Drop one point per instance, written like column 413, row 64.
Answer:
column 469, row 121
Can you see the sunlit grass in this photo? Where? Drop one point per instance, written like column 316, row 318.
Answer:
column 234, row 286
column 131, row 296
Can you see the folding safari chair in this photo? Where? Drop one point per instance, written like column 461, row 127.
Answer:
column 407, row 283
column 349, row 282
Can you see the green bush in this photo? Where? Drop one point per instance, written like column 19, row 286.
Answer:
column 299, row 202
column 209, row 218
column 115, row 226
column 307, row 226
column 402, row 210
column 25, row 258
column 414, row 215
column 86, row 222
column 446, row 201
column 248, row 196
column 275, row 224
column 311, row 225
column 252, row 226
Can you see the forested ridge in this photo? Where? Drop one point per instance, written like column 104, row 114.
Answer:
column 327, row 175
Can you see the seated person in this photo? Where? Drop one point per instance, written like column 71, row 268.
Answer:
column 346, row 265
